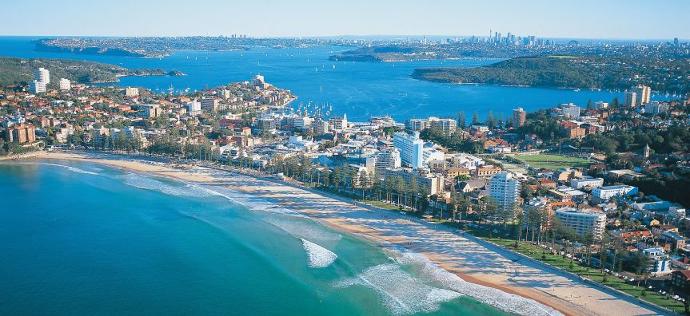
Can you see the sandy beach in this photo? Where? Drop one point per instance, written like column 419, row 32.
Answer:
column 497, row 273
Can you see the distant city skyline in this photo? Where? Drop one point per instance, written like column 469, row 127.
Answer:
column 616, row 19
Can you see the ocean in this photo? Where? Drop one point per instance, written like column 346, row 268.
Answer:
column 359, row 89
column 84, row 239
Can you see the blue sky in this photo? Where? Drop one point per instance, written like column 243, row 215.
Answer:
column 629, row 19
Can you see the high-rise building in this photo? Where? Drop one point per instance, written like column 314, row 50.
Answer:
column 149, row 110
column 445, row 125
column 583, row 222
column 65, row 84
column 193, row 107
column 630, row 99
column 417, row 124
column 570, row 110
column 43, row 75
column 210, row 104
column 519, row 117
column 644, row 93
column 131, row 92
column 505, row 190
column 411, row 148
column 387, row 159
column 339, row 123
column 38, row 86
column 21, row 134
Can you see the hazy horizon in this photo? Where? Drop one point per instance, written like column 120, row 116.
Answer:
column 588, row 19
column 353, row 37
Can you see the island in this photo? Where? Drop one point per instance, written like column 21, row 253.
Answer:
column 21, row 71
column 573, row 72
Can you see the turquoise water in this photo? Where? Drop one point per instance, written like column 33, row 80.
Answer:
column 83, row 239
column 359, row 89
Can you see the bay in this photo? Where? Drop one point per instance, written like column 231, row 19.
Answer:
column 359, row 89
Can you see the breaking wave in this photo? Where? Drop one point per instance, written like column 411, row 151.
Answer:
column 319, row 257
column 504, row 301
column 148, row 183
column 70, row 168
column 249, row 201
column 399, row 291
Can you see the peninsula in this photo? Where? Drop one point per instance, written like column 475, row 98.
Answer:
column 575, row 72
column 21, row 70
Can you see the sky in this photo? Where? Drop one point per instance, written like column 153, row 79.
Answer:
column 609, row 19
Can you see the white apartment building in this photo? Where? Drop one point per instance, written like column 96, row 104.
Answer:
column 505, row 190
column 302, row 122
column 659, row 262
column 387, row 159
column 587, row 182
column 607, row 192
column 339, row 123
column 432, row 184
column 131, row 92
column 38, row 86
column 583, row 222
column 444, row 124
column 570, row 110
column 65, row 84
column 431, row 154
column 467, row 161
column 411, row 148
column 43, row 75
column 193, row 107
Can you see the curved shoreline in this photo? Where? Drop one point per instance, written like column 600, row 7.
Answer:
column 455, row 252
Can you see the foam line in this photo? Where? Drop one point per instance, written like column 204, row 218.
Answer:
column 319, row 257
column 399, row 291
column 504, row 301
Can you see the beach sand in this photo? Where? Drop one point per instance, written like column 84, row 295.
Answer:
column 465, row 256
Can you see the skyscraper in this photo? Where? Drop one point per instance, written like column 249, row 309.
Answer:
column 411, row 148
column 519, row 117
column 38, row 86
column 43, row 75
column 504, row 189
column 630, row 99
column 644, row 93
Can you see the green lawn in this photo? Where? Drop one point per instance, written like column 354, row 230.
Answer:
column 553, row 162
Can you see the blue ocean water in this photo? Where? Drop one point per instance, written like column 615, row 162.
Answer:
column 83, row 239
column 359, row 89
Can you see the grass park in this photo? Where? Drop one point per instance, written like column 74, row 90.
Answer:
column 553, row 161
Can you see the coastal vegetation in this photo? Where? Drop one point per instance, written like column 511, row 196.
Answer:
column 566, row 262
column 21, row 71
column 453, row 141
column 574, row 72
